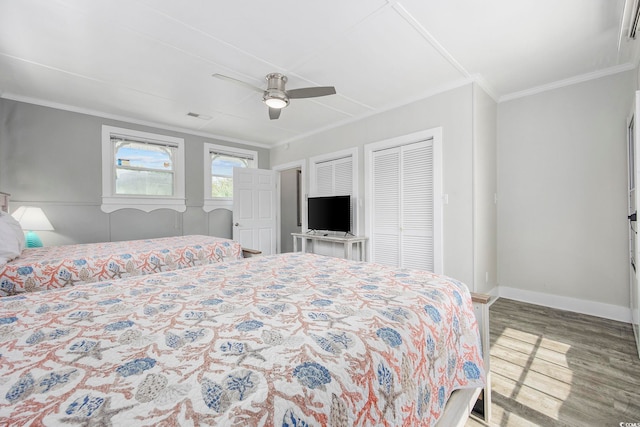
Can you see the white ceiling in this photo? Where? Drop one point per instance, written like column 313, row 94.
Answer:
column 151, row 61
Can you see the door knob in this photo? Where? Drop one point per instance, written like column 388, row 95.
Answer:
column 236, row 224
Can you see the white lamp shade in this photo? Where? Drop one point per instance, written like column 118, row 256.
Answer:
column 32, row 218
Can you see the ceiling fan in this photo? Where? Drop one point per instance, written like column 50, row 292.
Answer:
column 275, row 96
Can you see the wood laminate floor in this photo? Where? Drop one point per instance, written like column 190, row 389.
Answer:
column 557, row 368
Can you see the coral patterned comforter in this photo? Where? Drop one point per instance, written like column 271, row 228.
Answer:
column 57, row 266
column 282, row 340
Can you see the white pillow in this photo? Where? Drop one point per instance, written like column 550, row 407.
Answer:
column 11, row 238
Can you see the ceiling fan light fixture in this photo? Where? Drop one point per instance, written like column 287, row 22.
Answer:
column 275, row 100
column 276, row 103
column 276, row 97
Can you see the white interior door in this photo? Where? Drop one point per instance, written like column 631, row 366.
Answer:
column 634, row 243
column 254, row 209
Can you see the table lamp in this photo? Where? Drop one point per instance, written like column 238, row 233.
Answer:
column 32, row 219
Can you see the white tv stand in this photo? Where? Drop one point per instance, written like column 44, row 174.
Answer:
column 348, row 242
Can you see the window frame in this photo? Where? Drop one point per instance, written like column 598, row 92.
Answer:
column 212, row 203
column 112, row 201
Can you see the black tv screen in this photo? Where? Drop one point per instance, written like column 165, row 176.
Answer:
column 329, row 213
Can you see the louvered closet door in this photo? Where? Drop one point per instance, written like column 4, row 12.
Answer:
column 385, row 240
column 416, row 232
column 402, row 193
column 343, row 177
column 324, row 179
column 333, row 178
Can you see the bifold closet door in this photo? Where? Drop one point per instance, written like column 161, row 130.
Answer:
column 402, row 202
column 333, row 178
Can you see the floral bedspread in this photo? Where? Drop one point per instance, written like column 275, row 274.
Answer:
column 57, row 266
column 281, row 340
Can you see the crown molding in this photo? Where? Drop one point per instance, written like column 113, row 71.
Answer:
column 568, row 82
column 422, row 96
column 101, row 114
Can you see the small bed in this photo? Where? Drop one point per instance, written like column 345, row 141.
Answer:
column 52, row 267
column 292, row 339
column 37, row 269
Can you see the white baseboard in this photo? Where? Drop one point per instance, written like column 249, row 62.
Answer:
column 599, row 309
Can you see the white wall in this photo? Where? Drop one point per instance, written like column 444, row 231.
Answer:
column 485, row 186
column 451, row 110
column 562, row 227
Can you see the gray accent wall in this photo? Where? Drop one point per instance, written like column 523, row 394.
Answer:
column 562, row 185
column 554, row 161
column 453, row 110
column 52, row 158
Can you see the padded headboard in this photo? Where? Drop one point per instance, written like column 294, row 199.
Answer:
column 4, row 202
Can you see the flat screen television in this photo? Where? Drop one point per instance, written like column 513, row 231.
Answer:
column 329, row 213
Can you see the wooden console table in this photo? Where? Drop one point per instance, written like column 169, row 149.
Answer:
column 347, row 241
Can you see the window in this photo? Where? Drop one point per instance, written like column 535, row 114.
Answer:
column 141, row 170
column 219, row 162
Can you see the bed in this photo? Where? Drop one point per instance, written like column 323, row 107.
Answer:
column 51, row 267
column 36, row 269
column 287, row 340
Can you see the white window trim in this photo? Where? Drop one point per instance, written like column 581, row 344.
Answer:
column 313, row 185
column 112, row 202
column 211, row 203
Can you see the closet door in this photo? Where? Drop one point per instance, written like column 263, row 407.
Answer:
column 633, row 136
column 324, row 181
column 416, row 232
column 385, row 203
column 402, row 204
column 333, row 178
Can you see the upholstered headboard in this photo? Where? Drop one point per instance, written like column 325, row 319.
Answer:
column 4, row 201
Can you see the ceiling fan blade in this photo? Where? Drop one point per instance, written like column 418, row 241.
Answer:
column 239, row 82
column 311, row 92
column 274, row 113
